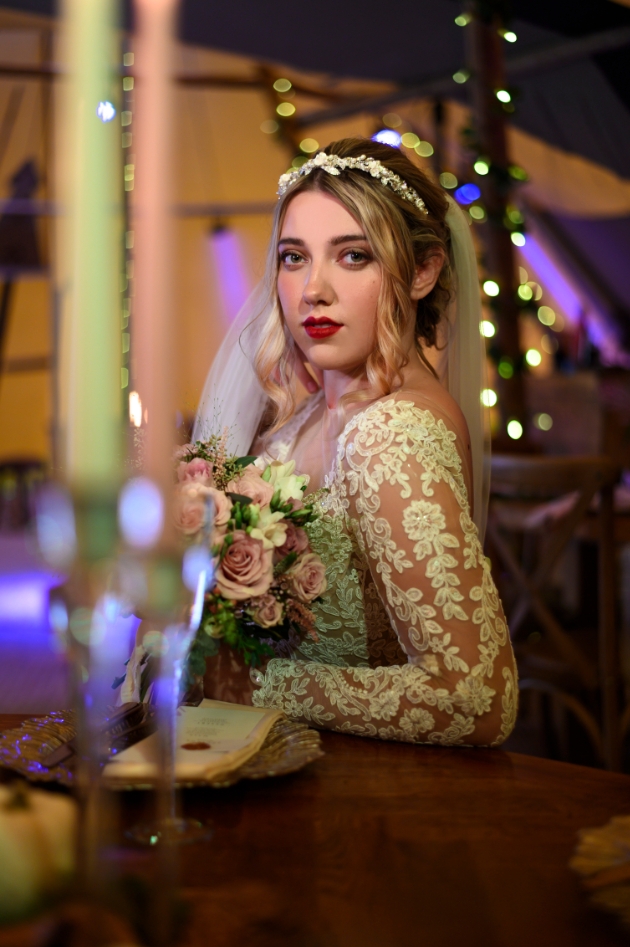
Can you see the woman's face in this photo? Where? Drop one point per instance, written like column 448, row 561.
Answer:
column 328, row 283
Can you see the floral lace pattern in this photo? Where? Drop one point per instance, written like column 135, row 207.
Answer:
column 413, row 641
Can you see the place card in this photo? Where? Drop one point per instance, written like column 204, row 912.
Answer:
column 213, row 739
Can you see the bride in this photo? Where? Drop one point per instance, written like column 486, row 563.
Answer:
column 368, row 262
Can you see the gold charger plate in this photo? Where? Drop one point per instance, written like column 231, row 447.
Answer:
column 288, row 747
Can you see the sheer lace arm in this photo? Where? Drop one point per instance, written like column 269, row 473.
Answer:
column 399, row 484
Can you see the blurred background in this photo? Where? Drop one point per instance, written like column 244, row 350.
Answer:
column 527, row 125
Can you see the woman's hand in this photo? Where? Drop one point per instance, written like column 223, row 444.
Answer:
column 227, row 678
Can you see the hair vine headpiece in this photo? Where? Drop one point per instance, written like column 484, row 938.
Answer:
column 334, row 164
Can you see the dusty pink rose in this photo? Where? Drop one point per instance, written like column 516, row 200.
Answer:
column 190, row 507
column 266, row 611
column 222, row 507
column 246, row 570
column 296, row 541
column 197, row 470
column 307, row 577
column 250, row 484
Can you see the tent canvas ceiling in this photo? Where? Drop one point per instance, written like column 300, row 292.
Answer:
column 581, row 107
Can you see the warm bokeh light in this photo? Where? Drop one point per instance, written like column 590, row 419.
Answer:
column 487, row 328
column 424, row 149
column 518, row 239
column 285, row 109
column 489, row 397
column 546, row 315
column 533, row 357
column 448, row 180
column 515, row 429
column 491, row 288
column 543, row 421
column 282, row 85
column 410, row 140
column 309, row 145
column 135, row 409
column 481, row 166
column 392, row 119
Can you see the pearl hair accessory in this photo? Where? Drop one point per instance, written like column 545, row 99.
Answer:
column 334, row 164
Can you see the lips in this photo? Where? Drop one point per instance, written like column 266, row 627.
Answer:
column 320, row 328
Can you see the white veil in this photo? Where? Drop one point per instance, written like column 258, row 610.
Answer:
column 233, row 398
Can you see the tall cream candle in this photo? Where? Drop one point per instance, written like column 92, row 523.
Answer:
column 152, row 324
column 89, row 272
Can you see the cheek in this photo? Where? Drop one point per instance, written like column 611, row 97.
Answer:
column 288, row 291
column 361, row 297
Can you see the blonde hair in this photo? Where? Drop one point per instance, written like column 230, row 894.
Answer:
column 401, row 238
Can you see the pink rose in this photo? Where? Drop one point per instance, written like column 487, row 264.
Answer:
column 296, row 541
column 222, row 507
column 246, row 570
column 197, row 470
column 250, row 484
column 190, row 507
column 307, row 577
column 266, row 611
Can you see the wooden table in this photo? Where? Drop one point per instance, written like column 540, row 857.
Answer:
column 381, row 844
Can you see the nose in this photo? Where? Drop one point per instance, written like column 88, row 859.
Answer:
column 317, row 287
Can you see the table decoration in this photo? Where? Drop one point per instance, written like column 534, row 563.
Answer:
column 288, row 747
column 37, row 849
column 602, row 859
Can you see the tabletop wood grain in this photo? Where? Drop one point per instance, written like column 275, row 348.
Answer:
column 387, row 844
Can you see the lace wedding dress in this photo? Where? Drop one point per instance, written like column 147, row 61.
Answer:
column 413, row 643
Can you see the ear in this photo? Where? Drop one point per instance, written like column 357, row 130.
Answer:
column 427, row 275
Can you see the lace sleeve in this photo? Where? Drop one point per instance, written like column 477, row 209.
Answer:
column 399, row 484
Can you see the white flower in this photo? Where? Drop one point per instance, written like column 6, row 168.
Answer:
column 269, row 529
column 282, row 478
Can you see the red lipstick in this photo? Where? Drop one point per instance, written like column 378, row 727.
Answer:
column 320, row 328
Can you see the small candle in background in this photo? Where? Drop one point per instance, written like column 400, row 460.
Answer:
column 153, row 339
column 88, row 273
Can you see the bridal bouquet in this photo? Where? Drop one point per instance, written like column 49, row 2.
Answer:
column 251, row 515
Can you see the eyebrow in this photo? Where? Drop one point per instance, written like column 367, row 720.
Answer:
column 344, row 238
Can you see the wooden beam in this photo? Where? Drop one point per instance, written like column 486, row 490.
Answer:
column 547, row 56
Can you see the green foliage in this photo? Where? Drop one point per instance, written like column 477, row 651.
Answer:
column 245, row 461
column 285, row 564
